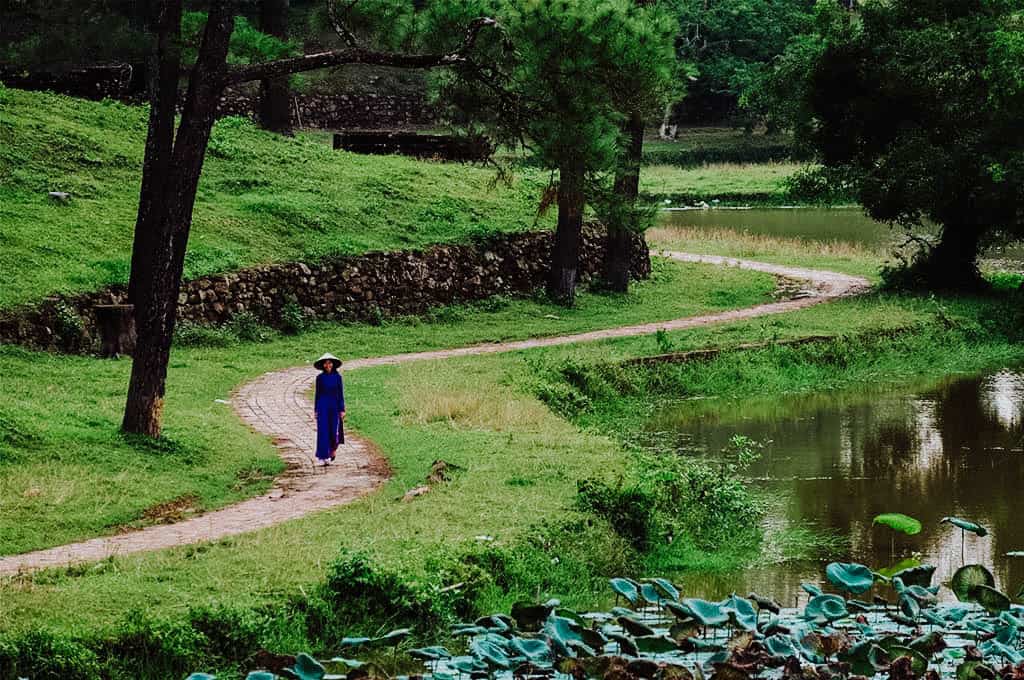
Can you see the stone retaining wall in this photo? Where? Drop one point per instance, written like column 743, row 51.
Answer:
column 354, row 288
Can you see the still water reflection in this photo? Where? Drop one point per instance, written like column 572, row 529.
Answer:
column 839, row 459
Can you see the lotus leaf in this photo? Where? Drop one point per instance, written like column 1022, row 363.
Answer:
column 565, row 635
column 729, row 671
column 306, row 668
column 425, row 653
column 1007, row 634
column 582, row 648
column 674, row 672
column 955, row 613
column 468, row 664
column 988, row 597
column 708, row 613
column 918, row 662
column 656, row 644
column 865, row 658
column 967, row 576
column 893, row 569
column 996, row 648
column 530, row 617
column 741, row 612
column 679, row 611
column 626, row 645
column 498, row 623
column 634, row 627
column 695, row 644
column 780, row 646
column 920, row 575
column 536, row 651
column 811, row 589
column 896, row 521
column 463, row 629
column 810, row 648
column 354, row 641
column 627, row 588
column 349, row 663
column 667, row 588
column 201, row 676
column 858, row 606
column 490, row 653
column 651, row 594
column 923, row 596
column 773, row 626
column 854, row 578
column 929, row 644
column 965, row 525
column 765, row 603
column 902, row 620
column 826, row 608
column 393, row 637
column 593, row 638
column 898, row 585
column 974, row 670
column 255, row 675
column 1015, row 553
column 684, row 629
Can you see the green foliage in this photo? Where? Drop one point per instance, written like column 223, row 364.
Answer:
column 629, row 511
column 59, row 34
column 44, row 654
column 898, row 522
column 359, row 595
column 293, row 318
column 917, row 104
column 731, row 43
column 263, row 198
column 969, row 576
column 248, row 45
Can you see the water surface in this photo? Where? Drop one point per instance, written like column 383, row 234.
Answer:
column 848, row 225
column 839, row 459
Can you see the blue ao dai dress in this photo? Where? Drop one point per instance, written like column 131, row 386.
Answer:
column 329, row 400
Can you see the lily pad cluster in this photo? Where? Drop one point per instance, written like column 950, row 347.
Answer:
column 655, row 632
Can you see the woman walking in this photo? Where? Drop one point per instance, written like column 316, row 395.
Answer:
column 328, row 408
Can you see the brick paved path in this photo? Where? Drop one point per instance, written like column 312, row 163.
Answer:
column 276, row 404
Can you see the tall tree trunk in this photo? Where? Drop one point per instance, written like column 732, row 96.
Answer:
column 162, row 73
column 159, row 292
column 566, row 253
column 619, row 247
column 953, row 262
column 275, row 93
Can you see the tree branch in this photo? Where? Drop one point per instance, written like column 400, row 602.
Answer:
column 357, row 55
column 339, row 26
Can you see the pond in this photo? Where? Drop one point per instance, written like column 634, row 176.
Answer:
column 848, row 225
column 838, row 459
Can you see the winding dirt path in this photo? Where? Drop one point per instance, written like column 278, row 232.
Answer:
column 276, row 404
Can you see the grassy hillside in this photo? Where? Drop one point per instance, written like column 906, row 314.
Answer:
column 262, row 197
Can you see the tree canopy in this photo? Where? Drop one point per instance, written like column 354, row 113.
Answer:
column 917, row 103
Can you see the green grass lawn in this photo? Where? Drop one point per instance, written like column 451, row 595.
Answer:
column 730, row 182
column 262, row 197
column 521, row 461
column 67, row 474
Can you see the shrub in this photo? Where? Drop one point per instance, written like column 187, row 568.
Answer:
column 628, row 509
column 293, row 318
column 43, row 655
column 191, row 334
column 361, row 597
column 246, row 326
column 153, row 648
